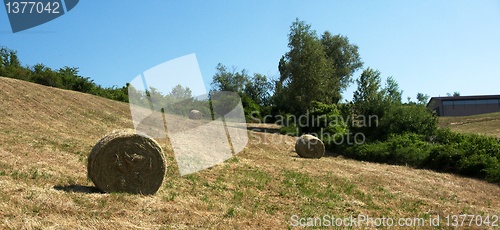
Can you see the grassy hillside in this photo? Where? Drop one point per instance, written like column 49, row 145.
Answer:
column 488, row 124
column 46, row 135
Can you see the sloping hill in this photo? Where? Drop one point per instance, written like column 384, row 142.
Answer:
column 488, row 124
column 46, row 134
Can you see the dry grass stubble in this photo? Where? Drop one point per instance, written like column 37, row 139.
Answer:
column 47, row 133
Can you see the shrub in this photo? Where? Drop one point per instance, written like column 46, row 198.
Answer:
column 251, row 109
column 493, row 174
column 466, row 154
column 290, row 130
column 324, row 119
column 443, row 158
column 410, row 118
column 477, row 165
column 471, row 144
column 408, row 149
column 375, row 152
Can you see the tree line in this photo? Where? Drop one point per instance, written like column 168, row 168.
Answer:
column 63, row 78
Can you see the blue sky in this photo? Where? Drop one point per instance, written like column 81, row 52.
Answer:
column 433, row 47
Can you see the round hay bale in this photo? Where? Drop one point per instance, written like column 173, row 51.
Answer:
column 309, row 146
column 123, row 161
column 195, row 115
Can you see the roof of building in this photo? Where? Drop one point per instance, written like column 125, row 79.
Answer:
column 477, row 97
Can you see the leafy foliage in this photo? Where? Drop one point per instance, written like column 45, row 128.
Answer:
column 369, row 98
column 254, row 91
column 314, row 69
column 406, row 149
column 258, row 88
column 178, row 101
column 465, row 154
column 422, row 98
column 408, row 119
column 344, row 60
column 324, row 119
column 224, row 80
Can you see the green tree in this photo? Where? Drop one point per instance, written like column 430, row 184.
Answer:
column 255, row 92
column 180, row 93
column 46, row 76
column 85, row 85
column 344, row 60
column 304, row 71
column 410, row 118
column 384, row 104
column 69, row 76
column 8, row 58
column 224, row 80
column 392, row 93
column 10, row 66
column 368, row 99
column 179, row 100
column 371, row 103
column 258, row 88
column 422, row 98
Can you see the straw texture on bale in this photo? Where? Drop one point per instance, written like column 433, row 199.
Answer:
column 123, row 161
column 309, row 146
column 195, row 115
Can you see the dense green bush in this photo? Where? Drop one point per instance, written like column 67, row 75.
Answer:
column 471, row 144
column 324, row 120
column 408, row 118
column 406, row 149
column 477, row 165
column 409, row 149
column 465, row 154
column 376, row 152
column 493, row 174
column 443, row 158
column 251, row 109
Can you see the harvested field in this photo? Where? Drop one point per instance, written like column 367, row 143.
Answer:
column 47, row 134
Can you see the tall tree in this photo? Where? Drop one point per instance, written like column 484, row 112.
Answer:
column 344, row 60
column 180, row 93
column 304, row 71
column 225, row 80
column 259, row 89
column 8, row 58
column 10, row 66
column 392, row 92
column 368, row 99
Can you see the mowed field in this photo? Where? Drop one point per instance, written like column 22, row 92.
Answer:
column 488, row 124
column 46, row 135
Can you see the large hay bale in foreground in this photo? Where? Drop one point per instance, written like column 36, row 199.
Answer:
column 309, row 146
column 123, row 161
column 195, row 115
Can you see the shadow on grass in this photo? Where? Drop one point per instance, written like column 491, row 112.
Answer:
column 327, row 154
column 78, row 188
column 264, row 130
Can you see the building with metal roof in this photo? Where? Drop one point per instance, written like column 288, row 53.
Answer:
column 464, row 105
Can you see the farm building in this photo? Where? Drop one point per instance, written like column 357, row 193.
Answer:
column 464, row 105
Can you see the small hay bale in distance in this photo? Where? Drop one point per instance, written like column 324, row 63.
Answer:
column 309, row 146
column 123, row 161
column 195, row 115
